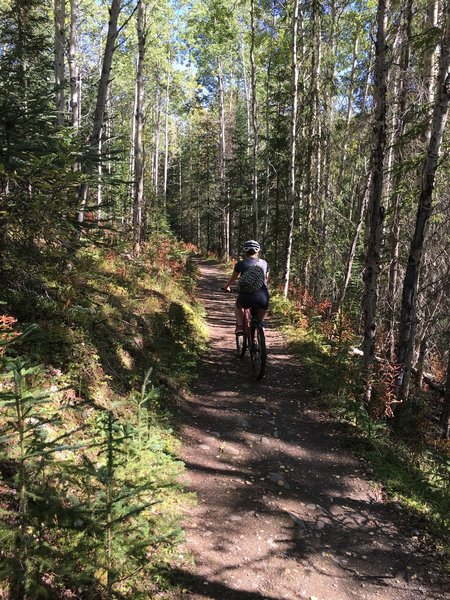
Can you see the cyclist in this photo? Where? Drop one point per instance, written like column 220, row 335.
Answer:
column 259, row 299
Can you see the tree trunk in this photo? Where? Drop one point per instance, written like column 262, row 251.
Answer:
column 292, row 146
column 353, row 246
column 222, row 174
column 425, row 206
column 60, row 46
column 254, row 102
column 445, row 416
column 246, row 91
column 105, row 77
column 429, row 67
column 268, row 153
column 131, row 180
column 138, row 140
column 73, row 66
column 349, row 111
column 157, row 136
column 317, row 200
column 102, row 89
column 327, row 190
column 166, row 139
column 394, row 234
column 375, row 210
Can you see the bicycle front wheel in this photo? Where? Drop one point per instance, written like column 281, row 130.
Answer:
column 258, row 352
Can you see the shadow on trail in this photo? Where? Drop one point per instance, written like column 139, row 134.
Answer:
column 212, row 589
column 274, row 458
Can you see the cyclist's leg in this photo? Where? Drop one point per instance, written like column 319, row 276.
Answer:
column 261, row 313
column 239, row 312
column 261, row 304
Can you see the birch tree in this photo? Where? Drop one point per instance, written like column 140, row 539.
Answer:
column 60, row 45
column 424, row 210
column 73, row 66
column 138, row 132
column 372, row 258
column 255, row 125
column 292, row 144
column 102, row 89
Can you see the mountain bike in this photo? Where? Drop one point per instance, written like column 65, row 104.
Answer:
column 252, row 338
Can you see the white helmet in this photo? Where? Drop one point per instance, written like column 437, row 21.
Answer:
column 252, row 245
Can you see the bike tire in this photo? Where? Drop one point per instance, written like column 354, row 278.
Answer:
column 258, row 352
column 241, row 344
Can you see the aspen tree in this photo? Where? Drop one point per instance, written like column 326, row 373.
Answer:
column 399, row 118
column 102, row 88
column 292, row 144
column 60, row 46
column 73, row 66
column 255, row 125
column 424, row 210
column 372, row 258
column 138, row 131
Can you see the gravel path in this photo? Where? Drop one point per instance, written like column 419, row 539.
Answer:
column 284, row 510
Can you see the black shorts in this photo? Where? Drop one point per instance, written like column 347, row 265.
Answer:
column 259, row 299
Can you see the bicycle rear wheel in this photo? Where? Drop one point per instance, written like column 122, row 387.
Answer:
column 258, row 351
column 241, row 344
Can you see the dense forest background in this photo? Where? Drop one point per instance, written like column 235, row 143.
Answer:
column 317, row 127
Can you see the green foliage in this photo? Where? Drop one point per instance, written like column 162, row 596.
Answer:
column 94, row 505
column 96, row 437
column 32, row 438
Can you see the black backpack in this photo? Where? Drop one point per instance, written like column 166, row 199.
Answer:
column 251, row 280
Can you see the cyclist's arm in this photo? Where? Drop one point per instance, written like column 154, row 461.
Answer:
column 232, row 279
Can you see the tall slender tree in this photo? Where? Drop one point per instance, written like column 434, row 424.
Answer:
column 60, row 48
column 138, row 132
column 292, row 144
column 102, row 89
column 424, row 210
column 372, row 259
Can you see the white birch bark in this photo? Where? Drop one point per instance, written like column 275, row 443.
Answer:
column 73, row 66
column 293, row 146
column 105, row 77
column 166, row 139
column 222, row 173
column 372, row 259
column 157, row 141
column 138, row 140
column 246, row 91
column 399, row 117
column 131, row 181
column 425, row 208
column 102, row 89
column 254, row 103
column 60, row 46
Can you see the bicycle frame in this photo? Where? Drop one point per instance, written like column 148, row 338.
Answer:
column 253, row 338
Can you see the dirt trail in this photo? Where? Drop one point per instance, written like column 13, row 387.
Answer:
column 284, row 511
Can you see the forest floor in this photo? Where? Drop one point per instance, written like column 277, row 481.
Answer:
column 284, row 509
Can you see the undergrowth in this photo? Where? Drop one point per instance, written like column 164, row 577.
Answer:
column 91, row 500
column 414, row 471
